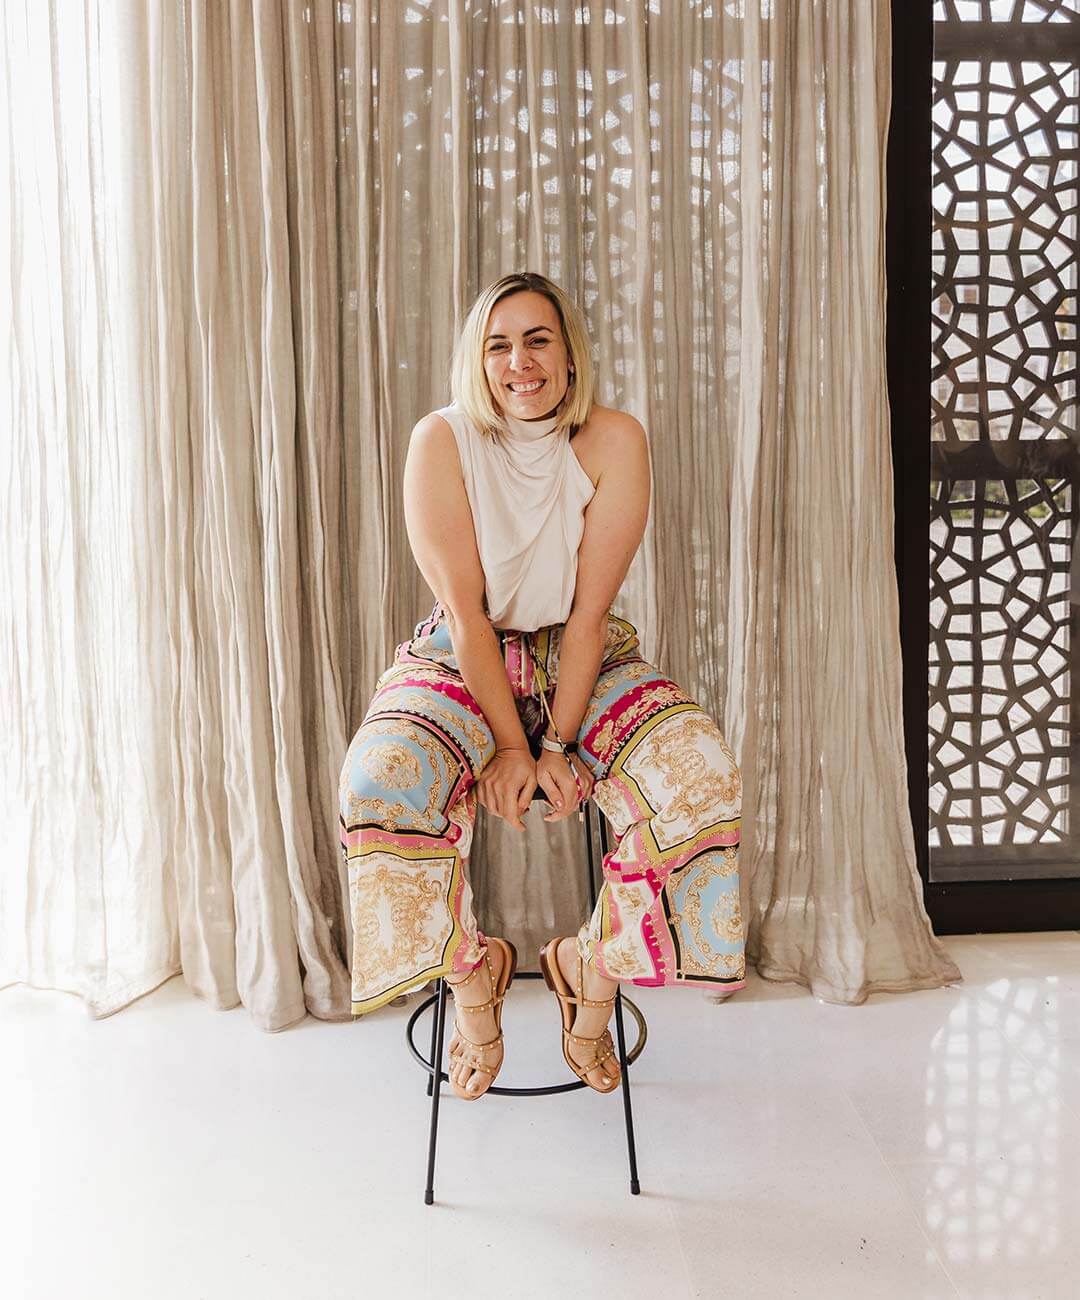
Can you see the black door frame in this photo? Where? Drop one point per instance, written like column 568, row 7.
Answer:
column 956, row 907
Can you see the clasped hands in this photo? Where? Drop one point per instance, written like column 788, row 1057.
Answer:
column 506, row 786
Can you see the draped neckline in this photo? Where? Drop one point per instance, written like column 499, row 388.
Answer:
column 530, row 430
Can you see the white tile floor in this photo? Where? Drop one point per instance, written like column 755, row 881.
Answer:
column 921, row 1145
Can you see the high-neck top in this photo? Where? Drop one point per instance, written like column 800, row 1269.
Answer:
column 528, row 492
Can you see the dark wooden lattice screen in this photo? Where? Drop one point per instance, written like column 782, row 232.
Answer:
column 1005, row 472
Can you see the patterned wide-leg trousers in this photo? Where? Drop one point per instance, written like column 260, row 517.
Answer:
column 668, row 907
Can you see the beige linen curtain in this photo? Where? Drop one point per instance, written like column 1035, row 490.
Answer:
column 240, row 241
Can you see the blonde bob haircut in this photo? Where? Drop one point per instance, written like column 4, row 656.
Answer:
column 468, row 382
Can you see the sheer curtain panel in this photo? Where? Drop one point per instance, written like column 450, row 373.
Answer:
column 240, row 240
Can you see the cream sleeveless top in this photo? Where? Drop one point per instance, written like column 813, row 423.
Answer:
column 528, row 492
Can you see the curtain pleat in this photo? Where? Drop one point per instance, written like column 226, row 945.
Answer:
column 241, row 240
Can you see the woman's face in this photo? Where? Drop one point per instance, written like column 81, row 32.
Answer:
column 525, row 355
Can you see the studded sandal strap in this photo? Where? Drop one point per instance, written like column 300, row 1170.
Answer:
column 580, row 1038
column 598, row 1059
column 479, row 1065
column 581, row 999
column 456, row 984
column 478, row 1006
column 584, row 1002
column 464, row 1044
column 481, row 1046
column 472, row 1058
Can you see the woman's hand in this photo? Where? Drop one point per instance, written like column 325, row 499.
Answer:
column 505, row 787
column 555, row 777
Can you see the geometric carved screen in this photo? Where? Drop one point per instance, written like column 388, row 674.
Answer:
column 1005, row 473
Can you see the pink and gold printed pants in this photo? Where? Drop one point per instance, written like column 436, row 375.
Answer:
column 668, row 907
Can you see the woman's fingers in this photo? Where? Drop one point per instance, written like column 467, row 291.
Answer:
column 565, row 784
column 508, row 791
column 564, row 780
column 501, row 799
column 585, row 777
column 525, row 793
column 550, row 787
column 512, row 811
column 498, row 799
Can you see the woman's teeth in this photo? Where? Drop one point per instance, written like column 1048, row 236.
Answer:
column 525, row 389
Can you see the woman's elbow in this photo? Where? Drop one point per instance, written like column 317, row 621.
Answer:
column 464, row 613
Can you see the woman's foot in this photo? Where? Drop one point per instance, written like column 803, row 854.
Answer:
column 589, row 1022
column 473, row 1028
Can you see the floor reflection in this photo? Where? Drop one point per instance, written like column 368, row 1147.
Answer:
column 996, row 1184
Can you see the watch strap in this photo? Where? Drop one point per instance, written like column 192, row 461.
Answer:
column 570, row 747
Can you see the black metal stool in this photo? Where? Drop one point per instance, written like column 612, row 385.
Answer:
column 436, row 1077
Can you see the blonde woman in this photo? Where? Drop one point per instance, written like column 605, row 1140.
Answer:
column 525, row 502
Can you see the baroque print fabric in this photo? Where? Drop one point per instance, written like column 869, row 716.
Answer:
column 668, row 908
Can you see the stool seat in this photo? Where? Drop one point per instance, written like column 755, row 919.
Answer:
column 437, row 1001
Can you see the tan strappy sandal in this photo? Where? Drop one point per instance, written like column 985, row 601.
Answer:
column 464, row 1049
column 556, row 981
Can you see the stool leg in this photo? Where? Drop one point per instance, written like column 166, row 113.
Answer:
column 436, row 1078
column 620, row 1035
column 631, row 1149
column 431, row 1053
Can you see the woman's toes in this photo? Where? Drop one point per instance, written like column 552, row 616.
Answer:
column 472, row 1080
column 601, row 1076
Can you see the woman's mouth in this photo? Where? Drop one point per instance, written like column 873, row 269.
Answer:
column 526, row 388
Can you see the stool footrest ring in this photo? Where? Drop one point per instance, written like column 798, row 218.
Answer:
column 540, row 1090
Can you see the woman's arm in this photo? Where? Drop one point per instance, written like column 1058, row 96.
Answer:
column 439, row 524
column 615, row 521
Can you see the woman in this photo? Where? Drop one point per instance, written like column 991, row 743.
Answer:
column 525, row 503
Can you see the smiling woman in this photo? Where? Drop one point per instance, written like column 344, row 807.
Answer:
column 525, row 503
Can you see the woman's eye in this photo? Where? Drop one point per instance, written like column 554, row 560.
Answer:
column 501, row 347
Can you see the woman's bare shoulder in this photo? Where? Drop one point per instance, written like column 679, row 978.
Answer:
column 433, row 430
column 433, row 425
column 606, row 435
column 608, row 422
column 433, row 444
